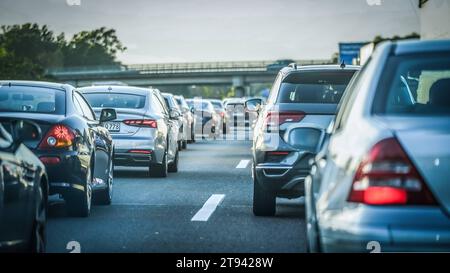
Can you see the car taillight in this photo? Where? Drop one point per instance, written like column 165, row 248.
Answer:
column 151, row 123
column 388, row 177
column 275, row 119
column 140, row 151
column 59, row 136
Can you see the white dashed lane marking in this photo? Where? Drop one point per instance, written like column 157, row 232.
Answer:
column 243, row 164
column 208, row 208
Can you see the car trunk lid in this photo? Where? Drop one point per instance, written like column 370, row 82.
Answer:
column 426, row 140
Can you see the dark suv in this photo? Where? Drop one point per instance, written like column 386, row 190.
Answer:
column 301, row 105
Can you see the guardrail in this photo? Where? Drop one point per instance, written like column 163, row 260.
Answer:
column 176, row 68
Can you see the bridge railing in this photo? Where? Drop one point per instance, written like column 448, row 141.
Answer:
column 173, row 68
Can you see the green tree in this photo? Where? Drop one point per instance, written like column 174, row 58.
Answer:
column 27, row 50
column 96, row 47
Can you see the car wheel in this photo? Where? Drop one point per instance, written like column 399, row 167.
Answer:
column 184, row 144
column 79, row 203
column 180, row 145
column 173, row 167
column 104, row 196
column 39, row 232
column 159, row 170
column 264, row 203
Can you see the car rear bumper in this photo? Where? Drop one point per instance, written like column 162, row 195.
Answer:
column 392, row 229
column 69, row 174
column 125, row 158
column 283, row 180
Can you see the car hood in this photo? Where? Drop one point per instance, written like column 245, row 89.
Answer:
column 426, row 140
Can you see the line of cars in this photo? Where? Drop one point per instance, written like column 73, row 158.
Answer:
column 57, row 139
column 369, row 152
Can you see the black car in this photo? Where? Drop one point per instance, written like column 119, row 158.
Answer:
column 76, row 150
column 23, row 190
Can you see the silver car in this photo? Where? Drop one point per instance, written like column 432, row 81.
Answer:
column 181, row 123
column 145, row 132
column 381, row 182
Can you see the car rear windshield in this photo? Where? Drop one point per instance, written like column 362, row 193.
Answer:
column 115, row 100
column 217, row 104
column 32, row 99
column 314, row 87
column 415, row 85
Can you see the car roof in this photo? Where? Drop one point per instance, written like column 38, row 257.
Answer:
column 420, row 46
column 43, row 84
column 117, row 89
column 167, row 94
column 304, row 68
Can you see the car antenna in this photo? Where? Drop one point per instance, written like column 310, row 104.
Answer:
column 293, row 65
column 343, row 64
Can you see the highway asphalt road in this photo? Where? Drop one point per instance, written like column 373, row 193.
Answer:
column 205, row 207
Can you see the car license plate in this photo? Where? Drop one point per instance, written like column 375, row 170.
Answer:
column 112, row 126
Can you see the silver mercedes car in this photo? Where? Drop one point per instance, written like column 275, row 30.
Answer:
column 145, row 132
column 382, row 180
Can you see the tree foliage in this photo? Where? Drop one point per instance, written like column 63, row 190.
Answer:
column 27, row 50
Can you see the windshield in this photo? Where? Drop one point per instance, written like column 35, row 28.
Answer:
column 314, row 87
column 415, row 85
column 32, row 99
column 217, row 105
column 115, row 100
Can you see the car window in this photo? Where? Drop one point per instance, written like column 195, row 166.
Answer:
column 32, row 99
column 274, row 90
column 314, row 87
column 345, row 107
column 115, row 100
column 156, row 106
column 415, row 86
column 85, row 108
column 162, row 104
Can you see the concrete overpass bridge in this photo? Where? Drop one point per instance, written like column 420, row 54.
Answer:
column 236, row 74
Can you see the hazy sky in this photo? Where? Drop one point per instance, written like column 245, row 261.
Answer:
column 220, row 30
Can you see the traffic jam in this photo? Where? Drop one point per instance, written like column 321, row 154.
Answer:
column 336, row 157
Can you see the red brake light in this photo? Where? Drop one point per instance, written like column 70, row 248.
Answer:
column 140, row 151
column 388, row 177
column 59, row 136
column 277, row 153
column 50, row 160
column 275, row 119
column 141, row 123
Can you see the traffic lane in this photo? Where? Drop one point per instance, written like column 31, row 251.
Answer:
column 154, row 215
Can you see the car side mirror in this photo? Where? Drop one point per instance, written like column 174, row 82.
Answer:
column 253, row 105
column 108, row 114
column 174, row 114
column 192, row 109
column 26, row 131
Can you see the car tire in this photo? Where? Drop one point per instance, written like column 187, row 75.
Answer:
column 38, row 240
column 104, row 196
column 79, row 203
column 264, row 203
column 184, row 144
column 159, row 170
column 173, row 167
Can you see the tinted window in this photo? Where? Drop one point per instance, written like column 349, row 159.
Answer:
column 314, row 87
column 115, row 100
column 217, row 104
column 32, row 99
column 87, row 111
column 182, row 103
column 415, row 85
